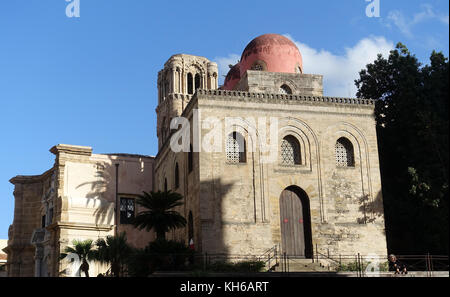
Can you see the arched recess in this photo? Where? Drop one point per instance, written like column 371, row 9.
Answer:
column 190, row 84
column 295, row 222
column 310, row 153
column 197, row 81
column 253, row 166
column 362, row 162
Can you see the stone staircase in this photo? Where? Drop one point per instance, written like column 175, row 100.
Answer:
column 301, row 265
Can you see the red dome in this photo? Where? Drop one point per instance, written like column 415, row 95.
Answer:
column 273, row 53
column 232, row 78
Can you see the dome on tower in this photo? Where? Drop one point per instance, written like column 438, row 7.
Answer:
column 273, row 53
column 232, row 78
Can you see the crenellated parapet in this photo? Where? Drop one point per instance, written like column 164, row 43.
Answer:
column 267, row 97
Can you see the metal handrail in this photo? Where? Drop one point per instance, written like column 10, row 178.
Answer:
column 267, row 256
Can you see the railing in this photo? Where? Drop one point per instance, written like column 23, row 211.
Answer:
column 364, row 265
column 273, row 260
column 270, row 257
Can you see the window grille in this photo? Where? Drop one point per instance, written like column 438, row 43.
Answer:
column 258, row 67
column 290, row 151
column 344, row 153
column 285, row 90
column 235, row 148
column 126, row 210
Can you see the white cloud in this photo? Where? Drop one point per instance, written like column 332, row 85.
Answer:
column 405, row 24
column 340, row 71
column 223, row 64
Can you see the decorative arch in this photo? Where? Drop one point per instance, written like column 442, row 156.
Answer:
column 361, row 152
column 310, row 156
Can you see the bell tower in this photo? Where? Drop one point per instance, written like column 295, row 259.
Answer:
column 177, row 82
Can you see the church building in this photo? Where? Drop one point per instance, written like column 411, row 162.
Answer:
column 290, row 169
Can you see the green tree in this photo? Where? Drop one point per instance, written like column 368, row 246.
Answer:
column 115, row 251
column 412, row 126
column 159, row 214
column 85, row 252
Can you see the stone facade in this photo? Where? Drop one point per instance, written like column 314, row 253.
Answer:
column 73, row 200
column 324, row 149
column 236, row 207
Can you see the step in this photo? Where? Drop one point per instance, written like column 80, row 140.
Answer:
column 301, row 265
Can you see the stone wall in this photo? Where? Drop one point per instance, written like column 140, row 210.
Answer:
column 346, row 203
column 239, row 203
column 81, row 190
column 28, row 196
column 270, row 82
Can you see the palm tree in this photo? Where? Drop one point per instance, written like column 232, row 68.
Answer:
column 85, row 252
column 115, row 251
column 159, row 215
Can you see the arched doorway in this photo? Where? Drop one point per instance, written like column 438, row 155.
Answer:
column 295, row 222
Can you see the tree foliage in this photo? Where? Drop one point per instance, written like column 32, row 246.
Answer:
column 115, row 251
column 85, row 252
column 412, row 126
column 159, row 214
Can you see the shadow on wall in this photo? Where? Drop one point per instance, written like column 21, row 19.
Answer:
column 211, row 206
column 96, row 197
column 371, row 210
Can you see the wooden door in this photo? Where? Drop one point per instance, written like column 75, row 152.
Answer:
column 292, row 224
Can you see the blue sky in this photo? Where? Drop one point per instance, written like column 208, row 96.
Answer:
column 92, row 80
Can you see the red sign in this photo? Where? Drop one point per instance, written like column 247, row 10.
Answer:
column 301, row 221
column 285, row 220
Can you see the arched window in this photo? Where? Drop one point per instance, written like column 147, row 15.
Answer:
column 235, row 148
column 165, row 185
column 284, row 89
column 190, row 159
column 197, row 81
column 190, row 84
column 259, row 65
column 177, row 176
column 344, row 153
column 290, row 151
